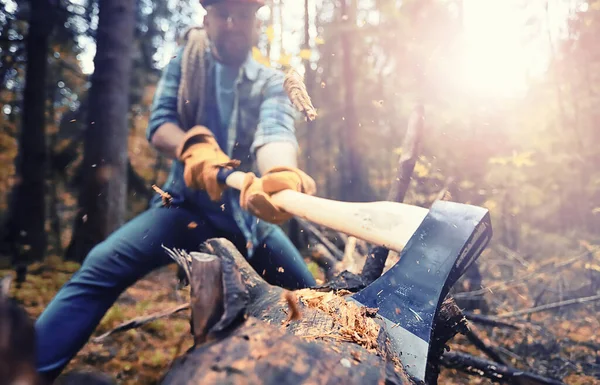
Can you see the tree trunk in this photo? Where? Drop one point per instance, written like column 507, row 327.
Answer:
column 26, row 223
column 263, row 334
column 104, row 192
column 354, row 183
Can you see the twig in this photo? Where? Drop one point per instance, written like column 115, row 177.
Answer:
column 492, row 370
column 489, row 351
column 141, row 321
column 307, row 226
column 322, row 257
column 350, row 247
column 550, row 306
column 513, row 255
column 489, row 321
column 444, row 193
column 504, row 285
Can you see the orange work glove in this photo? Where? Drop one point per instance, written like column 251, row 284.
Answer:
column 255, row 194
column 203, row 158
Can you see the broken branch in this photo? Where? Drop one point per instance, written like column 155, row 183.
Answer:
column 309, row 227
column 550, row 306
column 141, row 321
column 496, row 372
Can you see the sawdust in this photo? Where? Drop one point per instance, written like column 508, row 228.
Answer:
column 355, row 324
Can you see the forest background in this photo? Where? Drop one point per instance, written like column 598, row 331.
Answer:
column 510, row 91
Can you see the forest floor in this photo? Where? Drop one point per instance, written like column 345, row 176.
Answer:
column 563, row 343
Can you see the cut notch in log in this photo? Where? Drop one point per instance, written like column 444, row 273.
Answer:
column 218, row 295
column 207, row 294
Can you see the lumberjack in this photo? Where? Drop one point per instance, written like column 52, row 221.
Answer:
column 215, row 108
column 228, row 125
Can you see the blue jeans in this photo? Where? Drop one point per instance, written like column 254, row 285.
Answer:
column 127, row 255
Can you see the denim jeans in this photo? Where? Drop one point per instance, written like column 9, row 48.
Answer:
column 127, row 255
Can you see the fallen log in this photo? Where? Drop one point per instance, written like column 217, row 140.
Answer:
column 263, row 334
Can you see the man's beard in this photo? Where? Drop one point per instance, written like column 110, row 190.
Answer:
column 232, row 50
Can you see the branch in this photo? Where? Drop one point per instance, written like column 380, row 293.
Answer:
column 141, row 321
column 550, row 306
column 479, row 344
column 495, row 372
column 322, row 257
column 309, row 227
column 489, row 321
column 520, row 280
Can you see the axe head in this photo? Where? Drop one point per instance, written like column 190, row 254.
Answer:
column 408, row 296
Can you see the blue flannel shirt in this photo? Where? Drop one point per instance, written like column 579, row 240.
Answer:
column 257, row 110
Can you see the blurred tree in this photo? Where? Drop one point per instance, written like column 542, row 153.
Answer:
column 26, row 231
column 102, row 199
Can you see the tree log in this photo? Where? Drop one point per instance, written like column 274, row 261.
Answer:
column 268, row 335
column 299, row 337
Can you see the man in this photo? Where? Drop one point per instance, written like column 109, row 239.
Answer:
column 215, row 109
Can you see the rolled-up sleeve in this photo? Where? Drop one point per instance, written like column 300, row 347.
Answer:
column 277, row 116
column 164, row 102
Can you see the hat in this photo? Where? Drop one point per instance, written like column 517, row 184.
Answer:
column 206, row 3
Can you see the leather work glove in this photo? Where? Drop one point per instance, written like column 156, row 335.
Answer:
column 203, row 158
column 255, row 194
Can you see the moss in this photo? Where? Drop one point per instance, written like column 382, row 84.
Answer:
column 113, row 316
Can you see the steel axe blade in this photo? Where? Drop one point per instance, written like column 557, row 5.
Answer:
column 408, row 296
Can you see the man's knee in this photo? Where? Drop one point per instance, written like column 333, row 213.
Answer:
column 106, row 266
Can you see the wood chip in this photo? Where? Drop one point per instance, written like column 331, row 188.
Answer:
column 353, row 323
column 167, row 199
column 294, row 314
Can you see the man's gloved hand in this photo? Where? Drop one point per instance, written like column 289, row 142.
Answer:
column 255, row 195
column 202, row 158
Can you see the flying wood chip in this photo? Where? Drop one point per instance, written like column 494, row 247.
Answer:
column 296, row 90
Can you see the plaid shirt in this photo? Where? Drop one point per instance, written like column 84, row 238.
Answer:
column 262, row 113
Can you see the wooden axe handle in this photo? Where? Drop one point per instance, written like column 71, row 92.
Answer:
column 383, row 223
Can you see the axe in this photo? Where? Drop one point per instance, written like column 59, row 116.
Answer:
column 436, row 247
